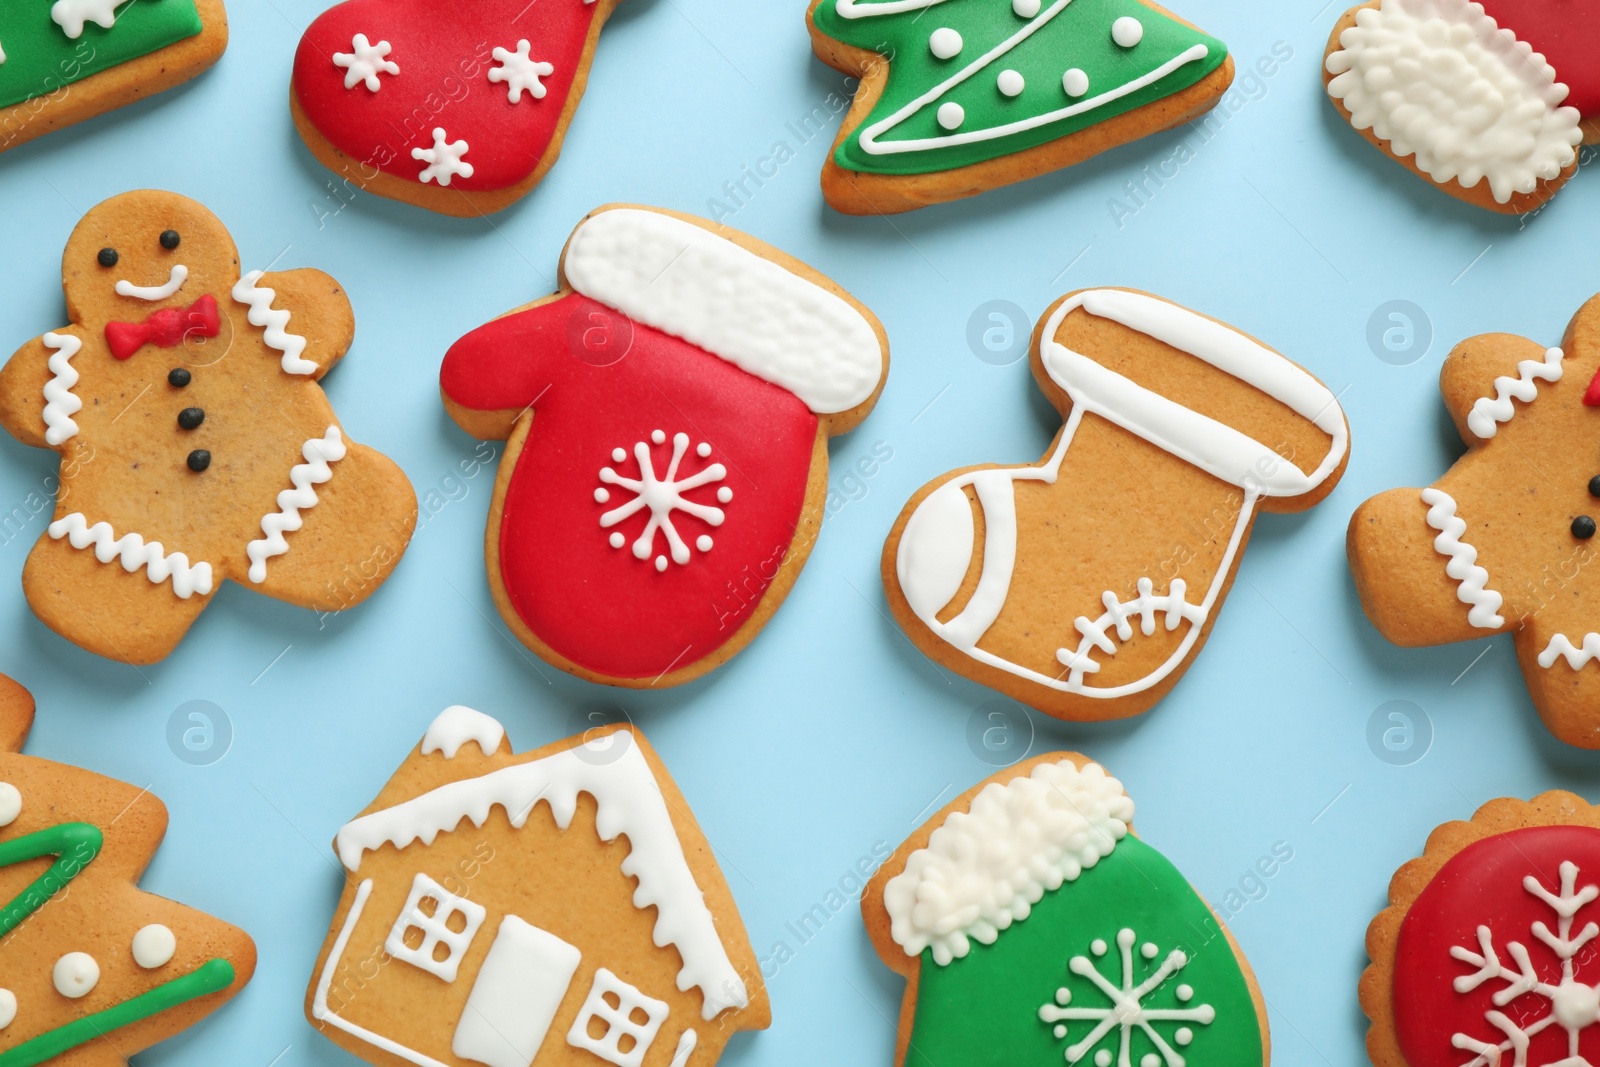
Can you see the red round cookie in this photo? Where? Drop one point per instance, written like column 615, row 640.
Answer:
column 1567, row 33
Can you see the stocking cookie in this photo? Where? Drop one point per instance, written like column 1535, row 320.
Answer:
column 668, row 413
column 91, row 969
column 1464, row 102
column 460, row 108
column 959, row 98
column 1032, row 926
column 196, row 443
column 67, row 61
column 1501, row 542
column 1085, row 585
column 557, row 907
column 1484, row 957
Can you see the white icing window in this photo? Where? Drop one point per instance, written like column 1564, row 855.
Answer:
column 617, row 1022
column 434, row 929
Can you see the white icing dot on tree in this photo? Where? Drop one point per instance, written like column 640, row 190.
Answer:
column 945, row 43
column 8, row 1008
column 1183, row 1036
column 1102, row 1058
column 76, row 974
column 1075, row 82
column 1127, row 31
column 10, row 803
column 1148, row 950
column 1025, row 9
column 1098, row 947
column 1010, row 83
column 154, row 946
column 952, row 115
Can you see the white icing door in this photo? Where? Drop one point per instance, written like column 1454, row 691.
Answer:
column 516, row 996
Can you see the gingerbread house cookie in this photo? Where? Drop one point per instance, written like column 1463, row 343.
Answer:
column 91, row 969
column 557, row 907
column 1084, row 585
column 1033, row 927
column 668, row 415
column 196, row 443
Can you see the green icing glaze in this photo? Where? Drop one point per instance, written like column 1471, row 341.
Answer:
column 41, row 59
column 74, row 844
column 211, row 977
column 1071, row 34
column 983, row 1010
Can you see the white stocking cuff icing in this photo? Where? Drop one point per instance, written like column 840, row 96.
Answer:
column 275, row 322
column 60, row 403
column 135, row 554
column 319, row 453
column 1490, row 411
column 1483, row 603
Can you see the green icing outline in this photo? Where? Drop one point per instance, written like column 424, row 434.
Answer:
column 41, row 59
column 1041, row 59
column 67, row 842
column 983, row 1010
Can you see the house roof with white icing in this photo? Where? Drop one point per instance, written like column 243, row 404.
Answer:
column 984, row 868
column 615, row 772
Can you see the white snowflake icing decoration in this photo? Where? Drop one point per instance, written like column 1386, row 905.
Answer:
column 520, row 72
column 662, row 496
column 364, row 63
column 1126, row 1011
column 1574, row 1005
column 70, row 15
column 443, row 160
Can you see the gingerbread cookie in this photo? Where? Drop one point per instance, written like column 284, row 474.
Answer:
column 1032, row 926
column 1485, row 956
column 67, row 61
column 196, row 442
column 668, row 413
column 459, row 108
column 1084, row 585
column 91, row 969
column 961, row 98
column 1501, row 542
column 1461, row 101
column 557, row 907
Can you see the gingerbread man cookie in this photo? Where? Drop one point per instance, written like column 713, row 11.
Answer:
column 196, row 443
column 91, row 969
column 1502, row 542
column 1085, row 585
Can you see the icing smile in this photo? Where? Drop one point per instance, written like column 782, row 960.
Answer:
column 175, row 280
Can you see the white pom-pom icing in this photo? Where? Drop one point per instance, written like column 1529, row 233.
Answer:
column 1439, row 80
column 986, row 867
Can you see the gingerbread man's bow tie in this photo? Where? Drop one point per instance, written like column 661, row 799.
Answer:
column 165, row 328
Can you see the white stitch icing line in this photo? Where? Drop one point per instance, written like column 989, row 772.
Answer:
column 135, row 554
column 60, row 403
column 1490, row 411
column 275, row 322
column 175, row 280
column 319, row 452
column 1147, row 605
column 1577, row 658
column 1483, row 603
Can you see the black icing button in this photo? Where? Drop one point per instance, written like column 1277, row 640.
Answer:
column 170, row 240
column 108, row 257
column 199, row 460
column 179, row 378
column 191, row 418
column 1594, row 485
column 1583, row 527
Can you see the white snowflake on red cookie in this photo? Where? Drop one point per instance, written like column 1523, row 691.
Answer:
column 444, row 160
column 364, row 62
column 663, row 496
column 520, row 71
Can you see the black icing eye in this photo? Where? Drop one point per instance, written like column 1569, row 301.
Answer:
column 1594, row 485
column 179, row 378
column 1583, row 527
column 199, row 460
column 170, row 239
column 108, row 257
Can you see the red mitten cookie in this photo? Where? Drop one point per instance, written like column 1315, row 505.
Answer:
column 196, row 443
column 668, row 414
column 457, row 107
column 1486, row 955
column 1501, row 542
column 91, row 969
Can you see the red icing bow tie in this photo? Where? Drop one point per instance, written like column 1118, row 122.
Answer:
column 165, row 328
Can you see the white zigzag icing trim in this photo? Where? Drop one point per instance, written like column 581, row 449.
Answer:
column 1146, row 605
column 319, row 453
column 1489, row 412
column 1483, row 602
column 1577, row 658
column 135, row 553
column 59, row 402
column 275, row 321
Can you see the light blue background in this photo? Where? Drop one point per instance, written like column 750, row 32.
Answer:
column 831, row 733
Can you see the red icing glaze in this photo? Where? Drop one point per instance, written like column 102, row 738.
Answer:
column 165, row 328
column 1591, row 395
column 599, row 606
column 1567, row 33
column 1482, row 885
column 444, row 49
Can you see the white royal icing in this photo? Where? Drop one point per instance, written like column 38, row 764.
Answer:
column 70, row 15
column 8, row 1008
column 175, row 279
column 630, row 803
column 154, row 946
column 1490, row 411
column 1439, row 80
column 274, row 321
column 60, row 403
column 1130, row 1002
column 1577, row 656
column 443, row 160
column 1170, row 607
column 319, row 453
column 10, row 804
column 364, row 62
column 618, row 1023
column 520, row 72
column 1483, row 603
column 686, row 1046
column 75, row 975
column 984, row 868
column 662, row 496
column 456, row 726
column 687, row 281
column 516, row 996
column 135, row 554
column 437, row 931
